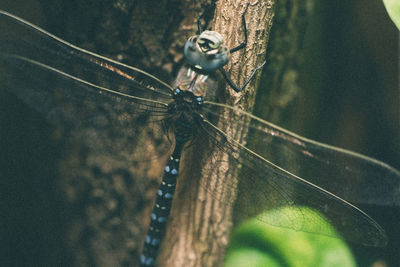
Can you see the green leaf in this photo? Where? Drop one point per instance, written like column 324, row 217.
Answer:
column 250, row 257
column 255, row 243
column 393, row 8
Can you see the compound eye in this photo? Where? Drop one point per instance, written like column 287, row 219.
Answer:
column 191, row 48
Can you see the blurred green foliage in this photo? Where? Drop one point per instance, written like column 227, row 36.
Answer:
column 393, row 9
column 255, row 243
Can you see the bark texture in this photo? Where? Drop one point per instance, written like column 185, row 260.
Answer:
column 106, row 202
column 62, row 207
column 199, row 226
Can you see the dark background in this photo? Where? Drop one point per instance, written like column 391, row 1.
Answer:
column 351, row 95
column 348, row 96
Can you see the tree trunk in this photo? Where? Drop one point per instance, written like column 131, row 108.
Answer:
column 96, row 213
column 199, row 226
column 108, row 202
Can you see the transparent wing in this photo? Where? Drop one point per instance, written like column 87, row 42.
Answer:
column 273, row 163
column 20, row 38
column 82, row 93
column 337, row 170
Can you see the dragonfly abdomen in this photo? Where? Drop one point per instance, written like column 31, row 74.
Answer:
column 162, row 207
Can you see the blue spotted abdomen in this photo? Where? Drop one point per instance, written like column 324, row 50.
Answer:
column 161, row 209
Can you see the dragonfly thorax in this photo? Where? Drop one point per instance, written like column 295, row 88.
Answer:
column 206, row 51
column 183, row 112
column 186, row 100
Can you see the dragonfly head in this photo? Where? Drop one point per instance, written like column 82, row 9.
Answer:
column 206, row 51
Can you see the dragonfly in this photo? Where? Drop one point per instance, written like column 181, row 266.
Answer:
column 328, row 179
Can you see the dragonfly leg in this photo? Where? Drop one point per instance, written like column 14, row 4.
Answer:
column 233, row 85
column 244, row 43
column 199, row 27
column 206, row 11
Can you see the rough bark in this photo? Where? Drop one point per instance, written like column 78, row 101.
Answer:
column 199, row 226
column 280, row 80
column 106, row 211
column 108, row 202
